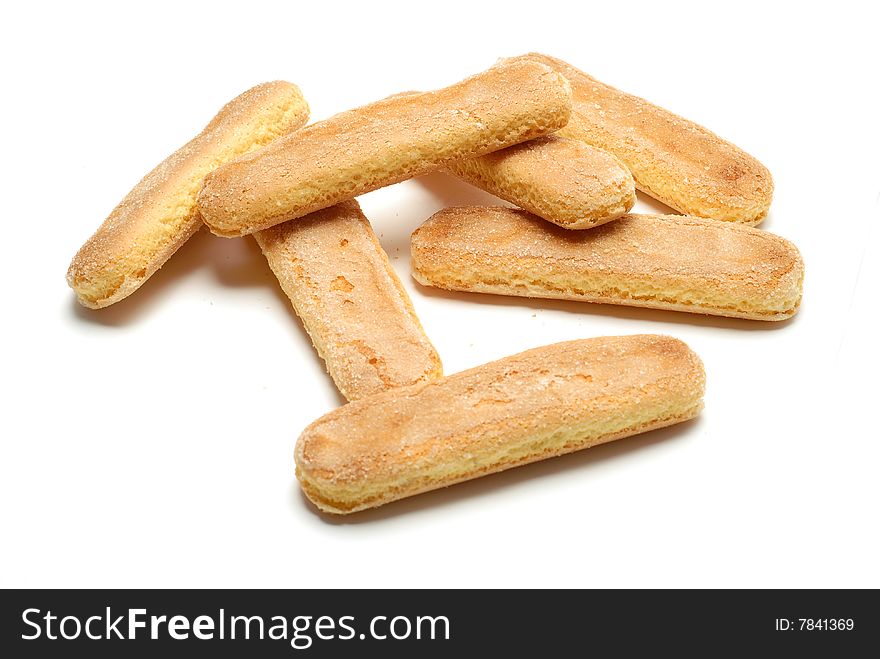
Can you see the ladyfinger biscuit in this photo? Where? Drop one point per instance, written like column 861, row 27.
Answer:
column 564, row 181
column 669, row 262
column 531, row 406
column 159, row 214
column 384, row 143
column 350, row 300
column 672, row 159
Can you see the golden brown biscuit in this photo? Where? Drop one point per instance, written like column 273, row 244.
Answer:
column 384, row 143
column 159, row 214
column 564, row 181
column 351, row 302
column 668, row 262
column 531, row 406
column 672, row 159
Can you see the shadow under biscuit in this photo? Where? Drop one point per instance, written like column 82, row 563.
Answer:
column 253, row 270
column 653, row 205
column 451, row 191
column 234, row 263
column 194, row 254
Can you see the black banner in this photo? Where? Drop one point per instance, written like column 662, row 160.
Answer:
column 425, row 623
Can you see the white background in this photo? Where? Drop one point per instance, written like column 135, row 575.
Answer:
column 150, row 443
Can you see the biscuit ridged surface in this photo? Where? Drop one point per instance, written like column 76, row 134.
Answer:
column 537, row 404
column 159, row 214
column 564, row 181
column 384, row 143
column 350, row 300
column 668, row 262
column 682, row 164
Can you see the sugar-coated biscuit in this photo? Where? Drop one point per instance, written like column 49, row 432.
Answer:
column 159, row 214
column 350, row 300
column 671, row 262
column 564, row 181
column 684, row 165
column 384, row 143
column 531, row 406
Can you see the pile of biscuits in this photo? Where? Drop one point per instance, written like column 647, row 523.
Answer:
column 565, row 148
